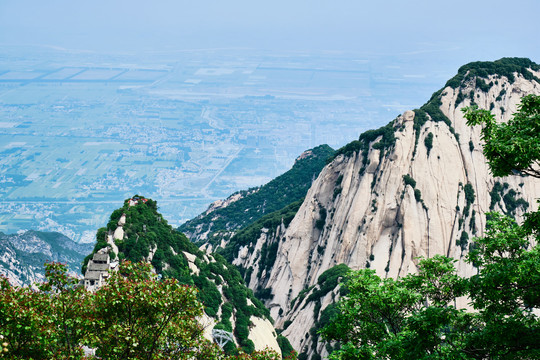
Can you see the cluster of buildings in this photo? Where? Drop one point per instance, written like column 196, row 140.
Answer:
column 97, row 271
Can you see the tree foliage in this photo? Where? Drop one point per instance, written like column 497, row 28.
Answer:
column 416, row 317
column 511, row 146
column 43, row 324
column 134, row 316
column 151, row 319
column 506, row 67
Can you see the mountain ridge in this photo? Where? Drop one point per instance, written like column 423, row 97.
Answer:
column 418, row 186
column 26, row 252
column 224, row 217
column 138, row 232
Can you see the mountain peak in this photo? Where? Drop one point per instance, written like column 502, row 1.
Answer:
column 506, row 67
column 418, row 186
column 138, row 232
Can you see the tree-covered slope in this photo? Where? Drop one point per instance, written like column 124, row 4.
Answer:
column 507, row 67
column 138, row 232
column 245, row 207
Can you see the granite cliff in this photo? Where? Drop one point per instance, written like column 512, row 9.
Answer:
column 419, row 186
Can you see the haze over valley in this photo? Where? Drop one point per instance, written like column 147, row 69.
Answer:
column 80, row 131
column 188, row 102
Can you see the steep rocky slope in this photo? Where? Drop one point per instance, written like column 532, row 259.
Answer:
column 419, row 186
column 24, row 254
column 224, row 217
column 138, row 232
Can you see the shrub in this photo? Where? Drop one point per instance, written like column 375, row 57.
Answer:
column 319, row 224
column 418, row 195
column 428, row 142
column 408, row 180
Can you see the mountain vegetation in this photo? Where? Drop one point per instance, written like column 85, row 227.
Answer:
column 148, row 237
column 249, row 235
column 507, row 67
column 320, row 304
column 416, row 316
column 135, row 316
column 146, row 231
column 513, row 146
column 387, row 141
column 421, row 200
column 252, row 204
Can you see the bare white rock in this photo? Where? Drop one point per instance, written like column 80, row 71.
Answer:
column 382, row 219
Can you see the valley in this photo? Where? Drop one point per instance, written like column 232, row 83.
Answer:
column 81, row 131
column 418, row 187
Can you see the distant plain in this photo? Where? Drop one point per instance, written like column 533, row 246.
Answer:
column 82, row 131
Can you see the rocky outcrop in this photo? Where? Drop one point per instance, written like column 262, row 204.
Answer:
column 220, row 204
column 263, row 335
column 25, row 253
column 137, row 232
column 422, row 191
column 268, row 238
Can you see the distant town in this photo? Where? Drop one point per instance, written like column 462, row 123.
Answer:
column 79, row 133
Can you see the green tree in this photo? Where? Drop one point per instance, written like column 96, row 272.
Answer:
column 408, row 318
column 136, row 316
column 511, row 146
column 45, row 324
column 23, row 312
column 370, row 316
column 69, row 307
column 506, row 291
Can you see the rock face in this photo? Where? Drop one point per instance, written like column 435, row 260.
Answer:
column 388, row 200
column 24, row 254
column 263, row 335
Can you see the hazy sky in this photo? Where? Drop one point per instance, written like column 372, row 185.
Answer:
column 484, row 29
